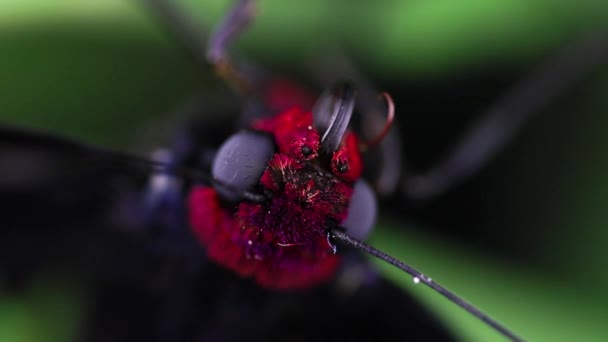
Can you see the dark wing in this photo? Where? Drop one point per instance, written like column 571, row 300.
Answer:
column 208, row 303
column 70, row 214
column 55, row 197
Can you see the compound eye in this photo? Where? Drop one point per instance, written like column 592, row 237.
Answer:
column 241, row 161
column 362, row 211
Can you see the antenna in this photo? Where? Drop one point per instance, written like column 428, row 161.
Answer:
column 42, row 140
column 345, row 239
column 390, row 118
column 190, row 37
column 496, row 127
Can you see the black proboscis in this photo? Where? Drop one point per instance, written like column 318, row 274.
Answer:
column 331, row 115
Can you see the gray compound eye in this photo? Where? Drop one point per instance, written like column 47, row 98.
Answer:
column 241, row 161
column 362, row 211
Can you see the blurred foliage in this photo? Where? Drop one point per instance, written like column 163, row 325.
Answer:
column 99, row 70
column 49, row 311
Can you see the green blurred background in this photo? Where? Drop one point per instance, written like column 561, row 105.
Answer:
column 101, row 70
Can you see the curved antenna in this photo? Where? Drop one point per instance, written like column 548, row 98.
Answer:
column 42, row 140
column 346, row 239
column 332, row 113
column 390, row 118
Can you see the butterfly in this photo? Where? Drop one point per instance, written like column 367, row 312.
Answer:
column 118, row 177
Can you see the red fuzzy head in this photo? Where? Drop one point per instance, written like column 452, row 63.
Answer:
column 282, row 242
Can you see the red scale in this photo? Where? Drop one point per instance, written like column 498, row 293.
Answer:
column 283, row 242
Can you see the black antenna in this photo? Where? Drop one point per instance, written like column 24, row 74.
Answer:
column 24, row 137
column 184, row 30
column 344, row 238
column 494, row 128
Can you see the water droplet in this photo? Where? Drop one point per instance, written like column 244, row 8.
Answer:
column 416, row 280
